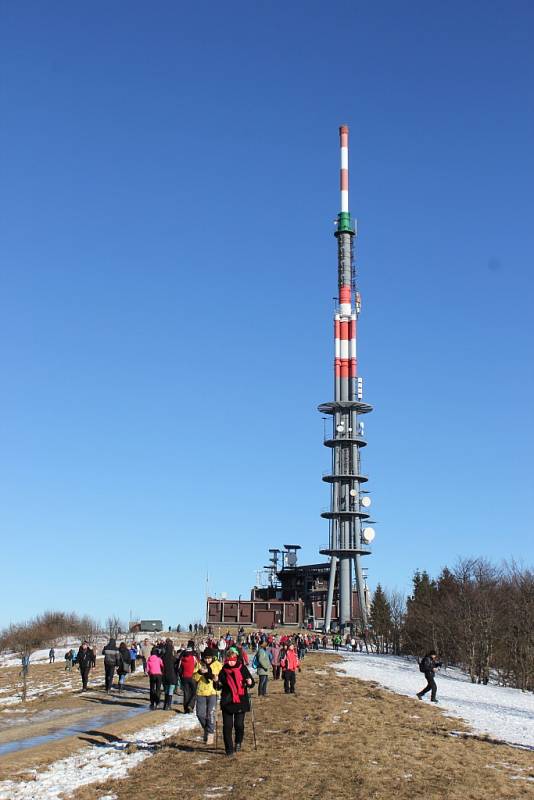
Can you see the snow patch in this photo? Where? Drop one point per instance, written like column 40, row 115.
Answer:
column 95, row 764
column 501, row 712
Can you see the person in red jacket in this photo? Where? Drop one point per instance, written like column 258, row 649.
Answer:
column 290, row 664
column 187, row 664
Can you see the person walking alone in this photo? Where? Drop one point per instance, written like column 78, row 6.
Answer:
column 290, row 664
column 262, row 661
column 429, row 664
column 205, row 674
column 84, row 659
column 234, row 681
column 51, row 655
column 154, row 669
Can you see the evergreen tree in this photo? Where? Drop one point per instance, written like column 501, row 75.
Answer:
column 419, row 633
column 381, row 621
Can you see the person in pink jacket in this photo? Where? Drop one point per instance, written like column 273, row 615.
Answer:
column 154, row 668
column 290, row 664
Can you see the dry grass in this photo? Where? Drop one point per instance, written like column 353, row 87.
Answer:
column 340, row 738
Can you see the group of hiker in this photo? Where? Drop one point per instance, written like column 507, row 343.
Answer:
column 219, row 669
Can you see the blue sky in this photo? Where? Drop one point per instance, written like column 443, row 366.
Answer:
column 169, row 183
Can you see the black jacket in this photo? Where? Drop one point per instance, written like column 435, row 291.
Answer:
column 170, row 667
column 125, row 661
column 85, row 659
column 427, row 666
column 111, row 654
column 227, row 704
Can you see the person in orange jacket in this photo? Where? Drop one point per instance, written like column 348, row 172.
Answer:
column 290, row 664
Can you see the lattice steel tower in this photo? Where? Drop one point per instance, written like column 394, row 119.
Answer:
column 348, row 541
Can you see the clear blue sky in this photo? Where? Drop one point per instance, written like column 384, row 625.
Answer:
column 169, row 183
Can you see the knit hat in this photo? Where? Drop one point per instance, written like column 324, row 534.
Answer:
column 209, row 652
column 191, row 644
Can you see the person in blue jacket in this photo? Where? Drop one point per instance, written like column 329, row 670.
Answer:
column 133, row 655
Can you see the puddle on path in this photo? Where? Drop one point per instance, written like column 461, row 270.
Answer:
column 82, row 726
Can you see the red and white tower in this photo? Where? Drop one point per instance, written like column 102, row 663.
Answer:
column 348, row 539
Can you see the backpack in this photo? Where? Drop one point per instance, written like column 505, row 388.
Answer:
column 424, row 666
column 255, row 662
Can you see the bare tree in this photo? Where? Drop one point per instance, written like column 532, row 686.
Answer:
column 26, row 637
column 114, row 626
column 397, row 604
column 23, row 639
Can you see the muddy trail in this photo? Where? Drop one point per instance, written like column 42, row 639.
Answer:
column 52, row 721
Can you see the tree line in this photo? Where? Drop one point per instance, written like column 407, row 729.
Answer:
column 477, row 616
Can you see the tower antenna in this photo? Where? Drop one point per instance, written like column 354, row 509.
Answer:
column 346, row 544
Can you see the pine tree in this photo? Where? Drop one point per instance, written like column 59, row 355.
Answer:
column 419, row 633
column 381, row 621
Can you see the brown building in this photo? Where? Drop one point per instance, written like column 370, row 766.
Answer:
column 296, row 595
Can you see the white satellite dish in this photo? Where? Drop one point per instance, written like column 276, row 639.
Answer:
column 368, row 535
column 365, row 501
column 353, row 492
column 340, row 428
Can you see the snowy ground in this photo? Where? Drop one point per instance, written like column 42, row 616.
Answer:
column 503, row 713
column 41, row 656
column 67, row 681
column 95, row 764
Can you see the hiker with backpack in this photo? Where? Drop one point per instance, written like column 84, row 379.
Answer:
column 205, row 675
column 262, row 664
column 428, row 665
column 111, row 661
column 233, row 681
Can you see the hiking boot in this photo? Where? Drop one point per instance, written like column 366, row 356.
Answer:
column 230, row 754
column 433, row 700
column 238, row 747
column 210, row 738
column 419, row 696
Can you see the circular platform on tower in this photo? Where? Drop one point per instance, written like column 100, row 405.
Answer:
column 359, row 441
column 347, row 552
column 335, row 514
column 345, row 405
column 329, row 478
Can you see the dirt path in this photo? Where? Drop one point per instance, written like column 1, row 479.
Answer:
column 53, row 724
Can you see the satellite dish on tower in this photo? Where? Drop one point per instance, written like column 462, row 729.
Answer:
column 368, row 535
column 353, row 492
column 365, row 501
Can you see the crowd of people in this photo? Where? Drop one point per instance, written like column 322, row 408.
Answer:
column 206, row 672
column 218, row 669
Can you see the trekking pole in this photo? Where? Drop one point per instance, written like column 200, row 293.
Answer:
column 217, row 722
column 253, row 723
